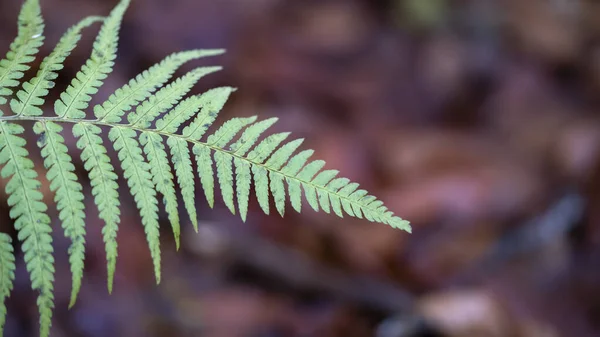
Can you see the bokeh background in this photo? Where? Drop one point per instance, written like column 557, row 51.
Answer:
column 476, row 120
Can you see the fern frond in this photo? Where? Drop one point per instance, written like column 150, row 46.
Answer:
column 68, row 198
column 23, row 49
column 103, row 180
column 31, row 221
column 229, row 159
column 7, row 274
column 32, row 96
column 75, row 99
column 321, row 188
column 139, row 179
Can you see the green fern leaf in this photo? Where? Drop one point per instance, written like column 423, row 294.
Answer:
column 139, row 179
column 224, row 163
column 347, row 206
column 104, row 189
column 166, row 97
column 23, row 49
column 323, row 198
column 336, row 205
column 321, row 180
column 228, row 131
column 187, row 108
column 31, row 221
column 261, row 152
column 281, row 156
column 278, row 190
column 206, row 172
column 334, row 186
column 311, row 196
column 239, row 158
column 180, row 155
column 75, row 99
column 261, row 185
column 250, row 136
column 275, row 162
column 212, row 102
column 344, row 192
column 356, row 197
column 69, row 196
column 162, row 177
column 324, row 177
column 144, row 84
column 242, row 184
column 376, row 205
column 295, row 193
column 310, row 170
column 297, row 162
column 7, row 274
column 305, row 175
column 33, row 95
column 368, row 200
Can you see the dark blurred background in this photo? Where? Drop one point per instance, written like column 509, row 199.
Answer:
column 476, row 120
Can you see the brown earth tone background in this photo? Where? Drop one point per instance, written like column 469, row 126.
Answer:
column 477, row 120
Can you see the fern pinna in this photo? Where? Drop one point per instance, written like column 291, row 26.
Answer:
column 145, row 123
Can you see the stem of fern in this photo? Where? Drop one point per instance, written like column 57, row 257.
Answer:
column 165, row 134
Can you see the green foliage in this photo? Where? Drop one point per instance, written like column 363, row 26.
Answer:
column 7, row 273
column 138, row 118
column 29, row 213
column 23, row 49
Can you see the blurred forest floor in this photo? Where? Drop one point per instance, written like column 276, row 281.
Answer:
column 476, row 120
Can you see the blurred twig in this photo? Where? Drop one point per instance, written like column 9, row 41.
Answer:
column 532, row 236
column 298, row 272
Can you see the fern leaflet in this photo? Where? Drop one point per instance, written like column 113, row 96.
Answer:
column 103, row 180
column 29, row 213
column 140, row 87
column 7, row 273
column 69, row 198
column 23, row 49
column 154, row 148
column 31, row 97
column 137, row 172
column 182, row 162
column 75, row 99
